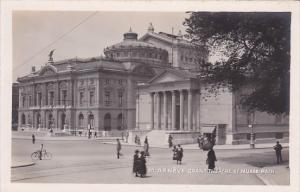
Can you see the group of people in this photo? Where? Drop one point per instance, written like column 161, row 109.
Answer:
column 177, row 153
column 139, row 163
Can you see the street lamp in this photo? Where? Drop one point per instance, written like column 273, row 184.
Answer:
column 252, row 145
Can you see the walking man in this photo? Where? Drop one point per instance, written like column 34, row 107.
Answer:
column 118, row 148
column 278, row 149
column 33, row 139
column 179, row 154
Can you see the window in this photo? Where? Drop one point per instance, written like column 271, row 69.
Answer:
column 120, row 82
column 106, row 81
column 81, row 97
column 80, row 120
column 51, row 99
column 23, row 101
column 181, row 57
column 107, row 98
column 30, row 100
column 64, row 97
column 39, row 96
column 92, row 98
column 120, row 98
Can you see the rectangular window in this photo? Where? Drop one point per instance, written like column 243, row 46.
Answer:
column 107, row 98
column 106, row 81
column 30, row 101
column 39, row 99
column 23, row 101
column 92, row 98
column 120, row 82
column 81, row 97
column 64, row 97
column 120, row 99
column 51, row 98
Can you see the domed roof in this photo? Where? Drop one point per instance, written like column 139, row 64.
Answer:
column 130, row 40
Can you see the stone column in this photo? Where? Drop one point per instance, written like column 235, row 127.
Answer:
column 165, row 117
column 181, row 111
column 190, row 112
column 152, row 111
column 157, row 123
column 173, row 117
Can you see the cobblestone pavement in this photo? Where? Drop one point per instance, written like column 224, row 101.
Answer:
column 90, row 161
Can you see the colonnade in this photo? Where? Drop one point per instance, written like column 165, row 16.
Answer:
column 168, row 106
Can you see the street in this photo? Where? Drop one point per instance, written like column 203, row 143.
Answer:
column 89, row 161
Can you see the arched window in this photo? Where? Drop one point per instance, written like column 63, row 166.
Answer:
column 107, row 122
column 23, row 121
column 120, row 122
column 80, row 120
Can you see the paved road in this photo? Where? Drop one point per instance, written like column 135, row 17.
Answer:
column 94, row 162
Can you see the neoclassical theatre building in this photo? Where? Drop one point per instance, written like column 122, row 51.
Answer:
column 148, row 86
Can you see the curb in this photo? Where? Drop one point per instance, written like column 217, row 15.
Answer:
column 23, row 165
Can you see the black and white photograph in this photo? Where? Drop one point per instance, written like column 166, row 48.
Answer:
column 172, row 97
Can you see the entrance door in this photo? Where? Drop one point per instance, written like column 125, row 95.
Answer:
column 63, row 121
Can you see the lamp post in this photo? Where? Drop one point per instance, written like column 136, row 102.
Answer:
column 252, row 145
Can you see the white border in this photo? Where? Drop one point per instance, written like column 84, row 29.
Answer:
column 167, row 6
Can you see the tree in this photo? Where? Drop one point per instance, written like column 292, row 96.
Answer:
column 249, row 50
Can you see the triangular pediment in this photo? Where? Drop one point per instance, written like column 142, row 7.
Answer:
column 169, row 76
column 48, row 70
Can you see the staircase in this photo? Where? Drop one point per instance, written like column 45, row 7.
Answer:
column 156, row 138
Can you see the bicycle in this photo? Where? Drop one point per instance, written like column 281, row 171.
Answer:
column 41, row 155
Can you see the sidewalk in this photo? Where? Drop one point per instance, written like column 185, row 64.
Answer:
column 64, row 138
column 216, row 147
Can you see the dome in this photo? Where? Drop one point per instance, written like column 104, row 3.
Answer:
column 132, row 49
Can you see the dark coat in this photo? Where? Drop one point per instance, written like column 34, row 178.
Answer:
column 142, row 166
column 135, row 163
column 211, row 158
column 146, row 149
column 118, row 146
column 179, row 154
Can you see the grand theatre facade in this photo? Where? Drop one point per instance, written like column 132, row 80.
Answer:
column 148, row 87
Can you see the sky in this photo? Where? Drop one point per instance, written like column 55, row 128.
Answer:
column 35, row 30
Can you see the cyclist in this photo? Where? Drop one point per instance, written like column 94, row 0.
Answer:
column 41, row 151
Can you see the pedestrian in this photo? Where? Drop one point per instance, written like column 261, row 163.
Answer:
column 211, row 158
column 278, row 149
column 89, row 133
column 33, row 139
column 135, row 168
column 142, row 164
column 118, row 148
column 146, row 147
column 179, row 154
column 126, row 136
column 170, row 141
column 95, row 134
column 174, row 152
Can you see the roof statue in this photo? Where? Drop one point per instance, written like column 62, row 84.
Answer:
column 150, row 28
column 51, row 56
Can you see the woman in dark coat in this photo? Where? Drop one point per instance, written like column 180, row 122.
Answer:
column 179, row 154
column 211, row 158
column 142, row 164
column 174, row 152
column 136, row 162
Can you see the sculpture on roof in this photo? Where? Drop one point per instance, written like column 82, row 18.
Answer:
column 51, row 56
column 150, row 28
